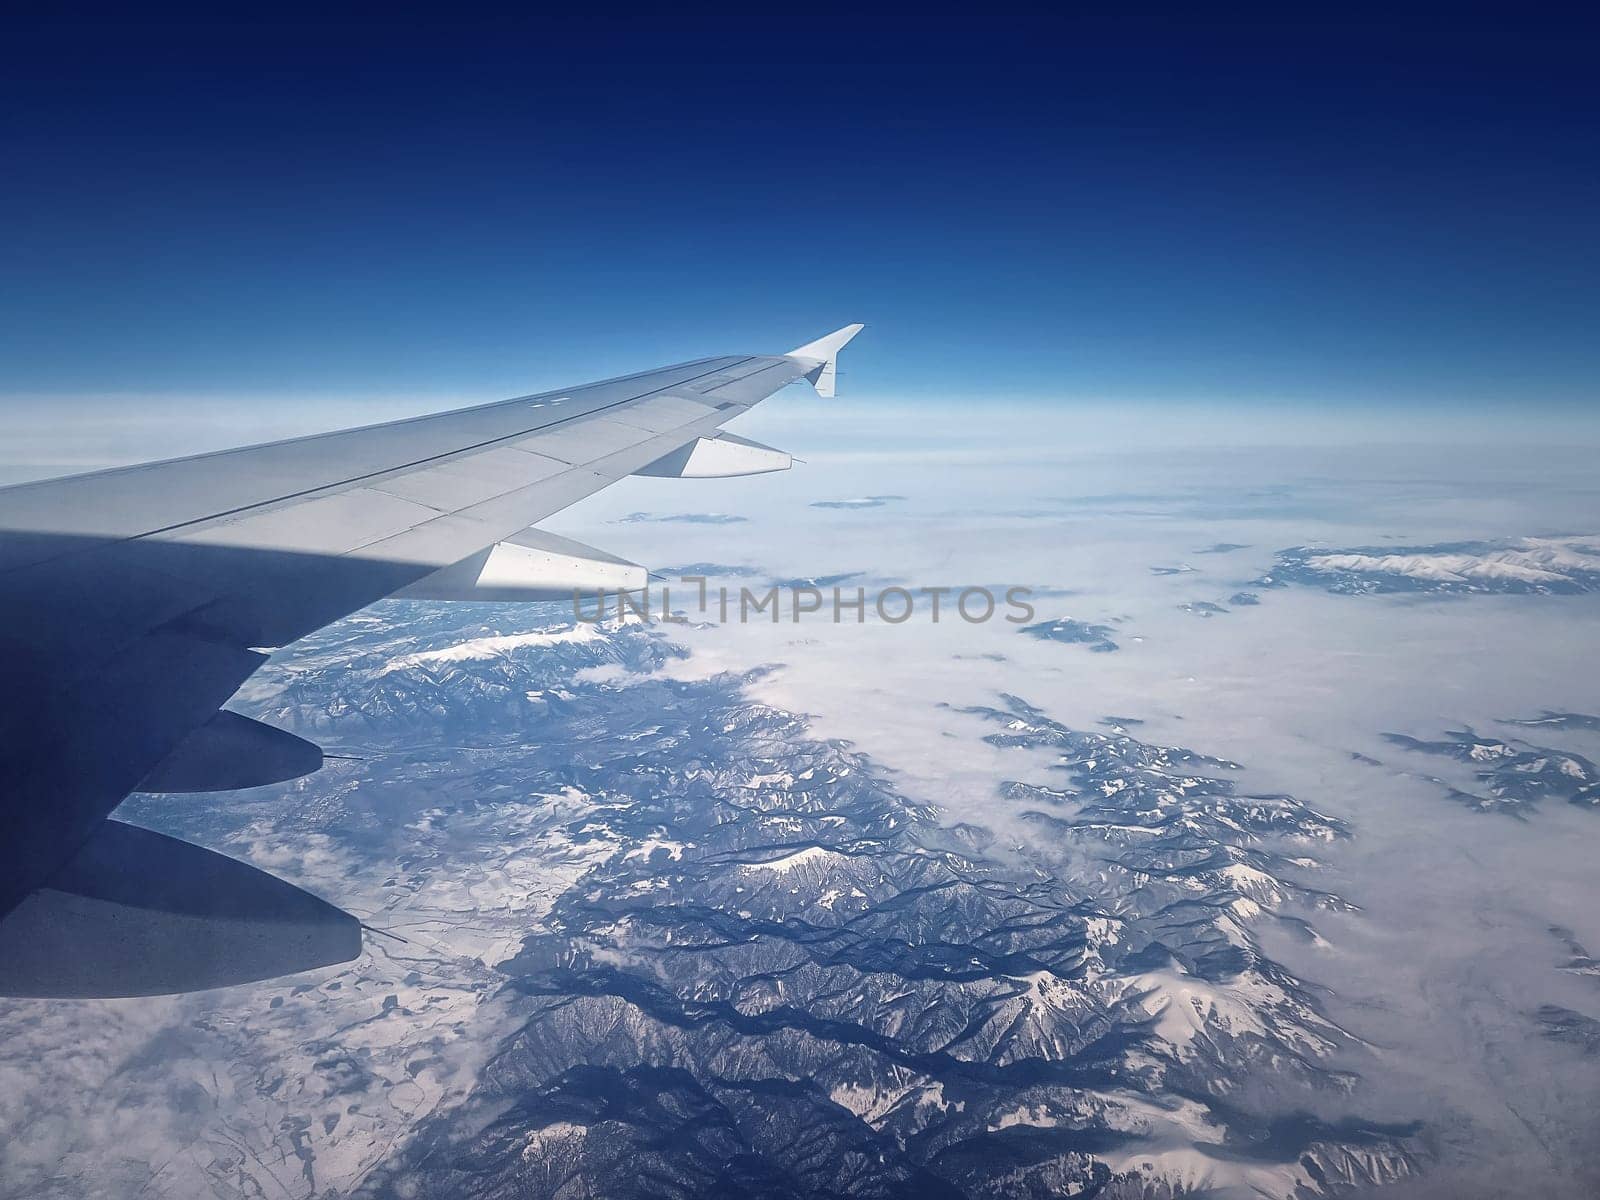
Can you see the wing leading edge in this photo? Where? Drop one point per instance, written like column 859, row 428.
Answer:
column 133, row 602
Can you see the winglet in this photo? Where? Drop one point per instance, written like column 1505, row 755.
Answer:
column 824, row 353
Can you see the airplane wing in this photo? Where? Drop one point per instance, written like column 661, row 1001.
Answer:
column 134, row 602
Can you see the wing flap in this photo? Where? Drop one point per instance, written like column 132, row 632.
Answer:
column 661, row 414
column 453, row 486
column 324, row 525
column 584, row 441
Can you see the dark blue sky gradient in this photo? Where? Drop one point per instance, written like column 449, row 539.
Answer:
column 1320, row 212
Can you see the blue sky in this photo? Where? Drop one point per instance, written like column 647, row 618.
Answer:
column 1323, row 213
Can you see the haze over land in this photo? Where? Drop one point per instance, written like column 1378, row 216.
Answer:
column 543, row 812
column 1258, row 346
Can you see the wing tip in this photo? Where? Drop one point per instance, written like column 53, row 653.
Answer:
column 827, row 346
column 823, row 354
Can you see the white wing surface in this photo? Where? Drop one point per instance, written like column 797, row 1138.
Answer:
column 134, row 602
